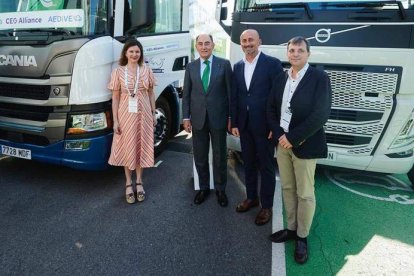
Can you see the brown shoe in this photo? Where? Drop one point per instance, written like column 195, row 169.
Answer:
column 246, row 204
column 263, row 216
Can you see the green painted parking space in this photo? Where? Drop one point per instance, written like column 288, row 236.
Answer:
column 363, row 225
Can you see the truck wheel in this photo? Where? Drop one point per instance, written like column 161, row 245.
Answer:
column 410, row 175
column 163, row 128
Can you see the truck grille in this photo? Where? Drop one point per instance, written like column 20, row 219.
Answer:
column 13, row 129
column 24, row 138
column 25, row 112
column 34, row 92
column 362, row 102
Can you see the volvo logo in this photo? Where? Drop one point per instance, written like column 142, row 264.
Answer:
column 15, row 60
column 323, row 35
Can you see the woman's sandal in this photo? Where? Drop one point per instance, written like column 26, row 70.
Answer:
column 140, row 194
column 130, row 198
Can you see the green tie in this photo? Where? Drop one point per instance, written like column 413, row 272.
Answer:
column 206, row 74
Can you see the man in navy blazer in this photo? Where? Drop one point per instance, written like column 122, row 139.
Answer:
column 252, row 80
column 206, row 111
column 298, row 107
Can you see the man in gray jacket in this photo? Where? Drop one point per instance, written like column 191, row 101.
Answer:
column 207, row 86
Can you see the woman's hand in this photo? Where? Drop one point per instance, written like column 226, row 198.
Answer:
column 117, row 129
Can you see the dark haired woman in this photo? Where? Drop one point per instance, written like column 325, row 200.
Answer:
column 133, row 108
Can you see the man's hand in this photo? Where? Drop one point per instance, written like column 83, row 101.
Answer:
column 284, row 142
column 270, row 135
column 187, row 125
column 235, row 132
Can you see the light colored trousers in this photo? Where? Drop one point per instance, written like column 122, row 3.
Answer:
column 298, row 178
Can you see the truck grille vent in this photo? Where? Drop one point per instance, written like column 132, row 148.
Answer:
column 369, row 129
column 362, row 90
column 358, row 101
column 34, row 92
column 346, row 140
column 361, row 151
column 24, row 138
column 363, row 82
column 25, row 112
column 354, row 116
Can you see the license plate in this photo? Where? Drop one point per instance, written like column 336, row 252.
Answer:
column 16, row 152
column 331, row 156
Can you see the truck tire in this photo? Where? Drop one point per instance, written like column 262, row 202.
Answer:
column 162, row 130
column 410, row 175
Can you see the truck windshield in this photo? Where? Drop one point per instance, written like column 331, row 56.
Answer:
column 271, row 5
column 50, row 20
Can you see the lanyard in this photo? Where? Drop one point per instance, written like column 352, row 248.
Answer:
column 291, row 90
column 136, row 81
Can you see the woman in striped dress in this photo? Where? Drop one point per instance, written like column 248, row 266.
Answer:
column 133, row 108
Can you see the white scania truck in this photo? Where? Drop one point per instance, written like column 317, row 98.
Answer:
column 56, row 57
column 367, row 48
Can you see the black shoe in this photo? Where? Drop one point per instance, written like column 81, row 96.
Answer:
column 201, row 196
column 222, row 198
column 301, row 251
column 283, row 235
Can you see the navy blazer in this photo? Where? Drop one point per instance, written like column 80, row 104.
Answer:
column 215, row 102
column 255, row 96
column 310, row 106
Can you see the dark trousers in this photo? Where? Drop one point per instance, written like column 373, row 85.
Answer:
column 258, row 156
column 201, row 145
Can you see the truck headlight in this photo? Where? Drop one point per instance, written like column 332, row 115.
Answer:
column 86, row 123
column 406, row 135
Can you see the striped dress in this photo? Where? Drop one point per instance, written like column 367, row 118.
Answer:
column 135, row 145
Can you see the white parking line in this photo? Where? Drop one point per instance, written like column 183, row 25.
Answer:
column 158, row 163
column 4, row 157
column 278, row 249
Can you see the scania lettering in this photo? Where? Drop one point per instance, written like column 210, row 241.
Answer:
column 55, row 63
column 18, row 60
column 367, row 48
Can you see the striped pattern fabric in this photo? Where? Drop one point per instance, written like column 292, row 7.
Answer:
column 135, row 145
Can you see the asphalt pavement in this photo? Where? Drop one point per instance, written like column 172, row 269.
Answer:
column 59, row 221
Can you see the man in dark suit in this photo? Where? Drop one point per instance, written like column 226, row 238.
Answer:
column 298, row 107
column 207, row 85
column 252, row 80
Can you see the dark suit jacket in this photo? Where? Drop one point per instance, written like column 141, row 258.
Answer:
column 215, row 102
column 267, row 68
column 310, row 106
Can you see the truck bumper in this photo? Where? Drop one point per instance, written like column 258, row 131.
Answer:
column 94, row 157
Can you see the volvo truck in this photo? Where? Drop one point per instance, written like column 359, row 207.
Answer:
column 367, row 49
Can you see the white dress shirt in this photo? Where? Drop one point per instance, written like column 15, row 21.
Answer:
column 290, row 88
column 249, row 69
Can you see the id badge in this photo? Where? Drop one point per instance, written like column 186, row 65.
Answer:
column 133, row 105
column 286, row 117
